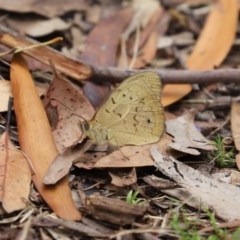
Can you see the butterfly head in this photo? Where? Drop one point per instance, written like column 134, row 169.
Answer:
column 84, row 126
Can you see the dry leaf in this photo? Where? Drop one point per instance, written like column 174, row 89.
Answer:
column 37, row 27
column 235, row 127
column 102, row 42
column 133, row 156
column 36, row 139
column 66, row 105
column 71, row 67
column 123, row 177
column 186, row 136
column 15, row 176
column 62, row 163
column 48, row 8
column 212, row 46
column 6, row 93
column 216, row 37
column 221, row 197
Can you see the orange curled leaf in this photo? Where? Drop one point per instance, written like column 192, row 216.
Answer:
column 36, row 139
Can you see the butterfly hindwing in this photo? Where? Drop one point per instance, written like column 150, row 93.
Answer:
column 133, row 113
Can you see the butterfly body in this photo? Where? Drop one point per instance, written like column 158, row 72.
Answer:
column 132, row 115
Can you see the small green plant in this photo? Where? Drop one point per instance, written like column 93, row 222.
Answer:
column 184, row 228
column 219, row 232
column 188, row 229
column 133, row 199
column 223, row 155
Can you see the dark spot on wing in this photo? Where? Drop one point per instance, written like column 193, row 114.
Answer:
column 113, row 101
column 124, row 95
column 149, row 120
column 107, row 110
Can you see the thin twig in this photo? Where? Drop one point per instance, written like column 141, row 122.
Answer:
column 116, row 75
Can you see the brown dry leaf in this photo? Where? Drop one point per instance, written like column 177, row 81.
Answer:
column 6, row 93
column 101, row 50
column 37, row 27
column 235, row 127
column 102, row 42
column 123, row 177
column 216, row 38
column 48, row 8
column 71, row 67
column 187, row 138
column 62, row 100
column 143, row 48
column 36, row 139
column 133, row 156
column 212, row 46
column 15, row 176
column 205, row 190
column 96, row 93
column 62, row 163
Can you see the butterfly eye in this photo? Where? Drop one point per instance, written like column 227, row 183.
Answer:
column 85, row 126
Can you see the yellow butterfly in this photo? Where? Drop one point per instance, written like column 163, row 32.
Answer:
column 132, row 115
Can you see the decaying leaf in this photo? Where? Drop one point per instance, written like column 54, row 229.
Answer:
column 133, row 156
column 66, row 105
column 71, row 67
column 216, row 37
column 37, row 27
column 235, row 126
column 62, row 163
column 102, row 43
column 123, row 177
column 45, row 8
column 15, row 176
column 187, row 138
column 211, row 48
column 6, row 93
column 221, row 197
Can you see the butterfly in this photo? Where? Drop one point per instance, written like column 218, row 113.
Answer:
column 132, row 115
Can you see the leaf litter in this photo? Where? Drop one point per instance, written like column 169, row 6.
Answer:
column 188, row 136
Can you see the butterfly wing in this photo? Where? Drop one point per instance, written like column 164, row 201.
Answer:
column 133, row 114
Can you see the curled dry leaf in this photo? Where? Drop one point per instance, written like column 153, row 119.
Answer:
column 36, row 139
column 211, row 48
column 123, row 177
column 66, row 105
column 71, row 67
column 216, row 37
column 15, row 176
column 187, row 138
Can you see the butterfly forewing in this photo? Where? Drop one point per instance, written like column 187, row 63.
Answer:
column 133, row 114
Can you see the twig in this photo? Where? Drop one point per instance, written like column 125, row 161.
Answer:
column 116, row 75
column 79, row 70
